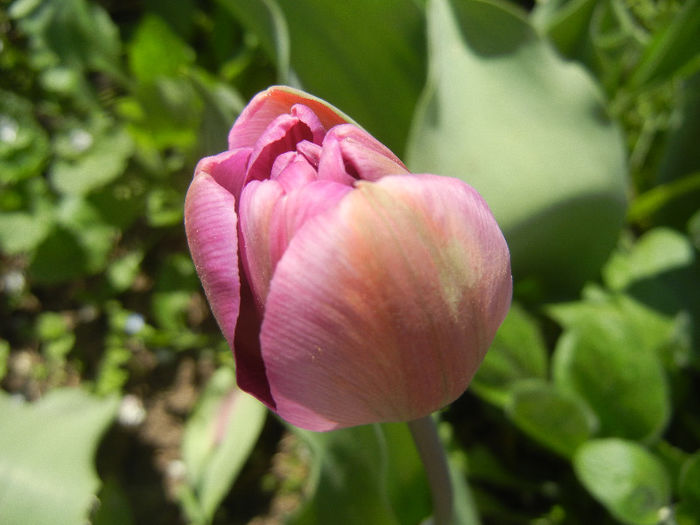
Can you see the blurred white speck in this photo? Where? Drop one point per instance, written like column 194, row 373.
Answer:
column 88, row 313
column 131, row 411
column 8, row 129
column 134, row 324
column 13, row 282
column 665, row 514
column 80, row 140
column 176, row 469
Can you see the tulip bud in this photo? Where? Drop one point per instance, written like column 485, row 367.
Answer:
column 350, row 290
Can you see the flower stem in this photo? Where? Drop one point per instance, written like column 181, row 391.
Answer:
column 432, row 454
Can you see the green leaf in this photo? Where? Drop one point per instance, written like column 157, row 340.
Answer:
column 59, row 257
column 156, row 50
column 659, row 270
column 658, row 251
column 518, row 352
column 378, row 465
column 504, row 113
column 22, row 232
column 608, row 365
column 343, row 53
column 46, row 455
column 24, row 146
column 75, row 33
column 103, row 159
column 653, row 201
column 630, row 481
column 557, row 421
column 218, row 439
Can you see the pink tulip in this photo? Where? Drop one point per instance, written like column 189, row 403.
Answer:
column 350, row 290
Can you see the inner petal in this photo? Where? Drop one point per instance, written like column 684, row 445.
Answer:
column 308, row 117
column 281, row 135
column 292, row 170
column 363, row 155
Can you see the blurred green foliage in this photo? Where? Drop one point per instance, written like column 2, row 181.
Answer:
column 578, row 121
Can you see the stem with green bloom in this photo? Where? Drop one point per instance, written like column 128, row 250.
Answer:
column 432, row 454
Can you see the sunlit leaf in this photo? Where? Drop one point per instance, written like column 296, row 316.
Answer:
column 46, row 454
column 559, row 422
column 504, row 113
column 626, row 478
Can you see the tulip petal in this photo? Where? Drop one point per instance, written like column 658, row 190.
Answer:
column 210, row 223
column 258, row 203
column 269, row 104
column 382, row 308
column 292, row 170
column 228, row 169
column 299, row 206
column 280, row 137
column 331, row 165
column 364, row 156
column 270, row 219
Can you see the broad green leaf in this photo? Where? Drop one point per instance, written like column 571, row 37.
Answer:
column 155, row 50
column 46, row 454
column 673, row 50
column 557, row 421
column 630, row 481
column 24, row 146
column 362, row 56
column 378, row 465
column 608, row 366
column 218, row 439
column 518, row 352
column 504, row 113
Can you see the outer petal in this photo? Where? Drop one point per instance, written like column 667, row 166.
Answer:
column 269, row 220
column 382, row 308
column 269, row 104
column 228, row 169
column 210, row 224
